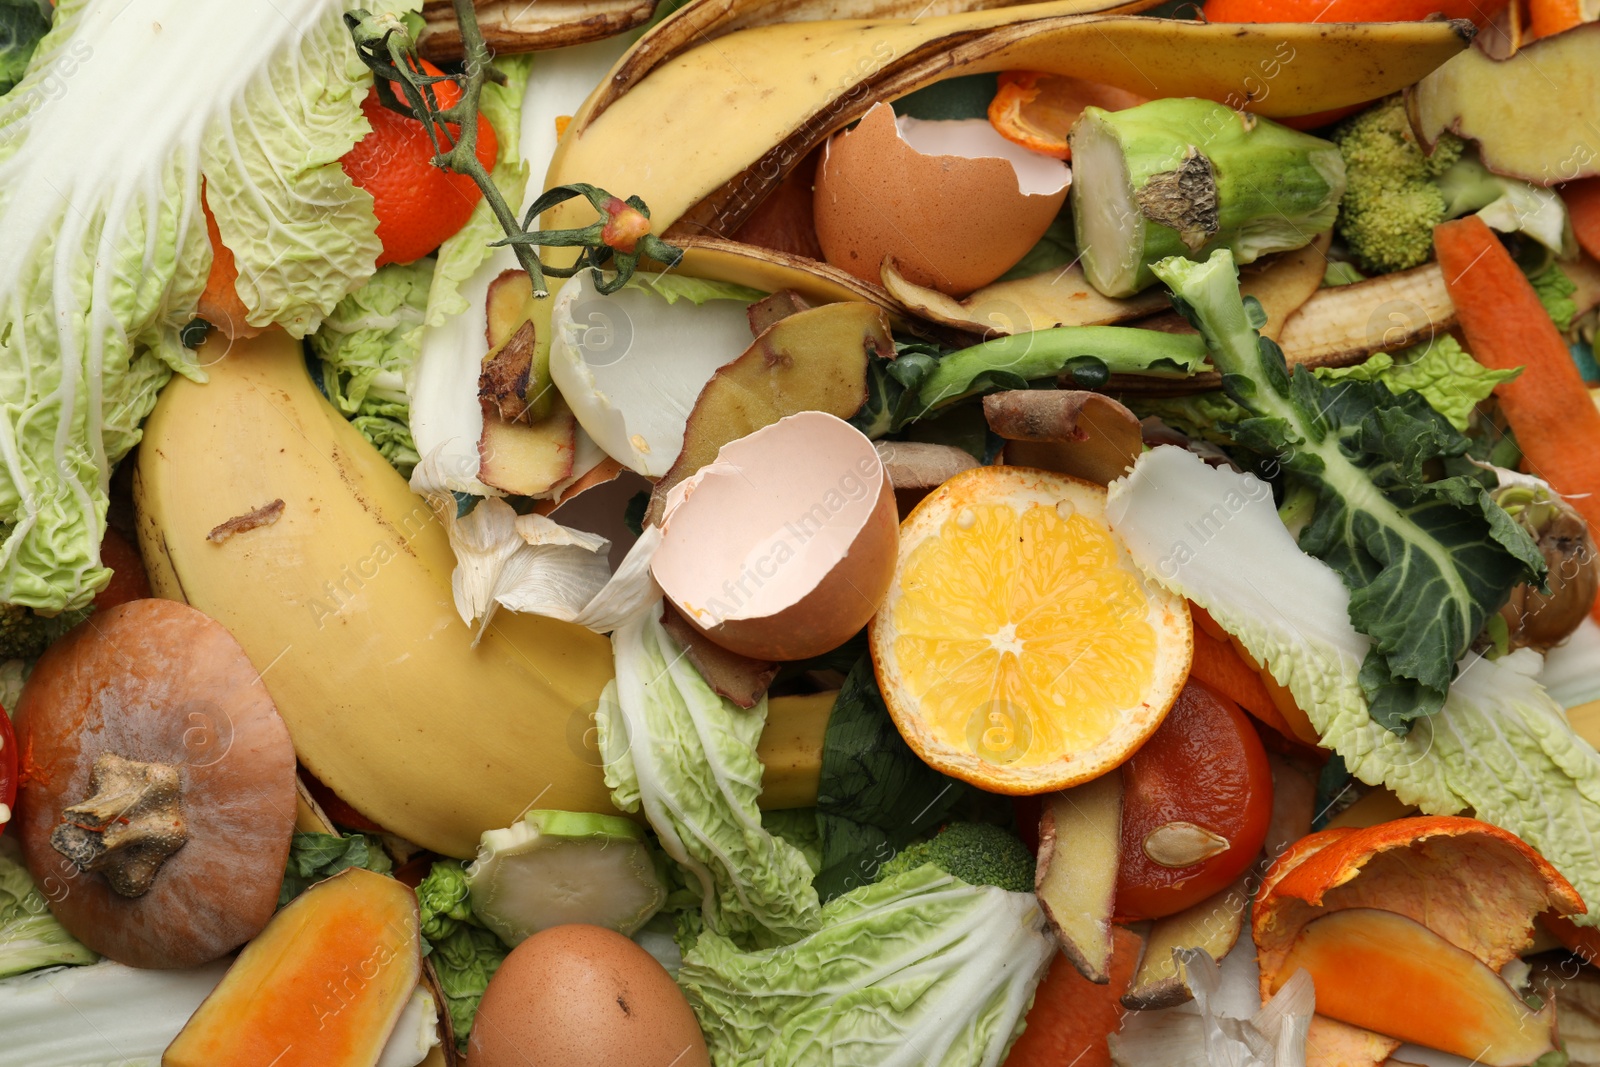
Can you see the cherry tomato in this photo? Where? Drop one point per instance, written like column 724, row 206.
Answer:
column 128, row 578
column 8, row 768
column 1205, row 767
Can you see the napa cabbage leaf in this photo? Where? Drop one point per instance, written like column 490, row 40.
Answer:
column 128, row 108
column 687, row 757
column 920, row 969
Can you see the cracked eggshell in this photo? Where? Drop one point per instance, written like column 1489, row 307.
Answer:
column 953, row 202
column 630, row 365
column 785, row 546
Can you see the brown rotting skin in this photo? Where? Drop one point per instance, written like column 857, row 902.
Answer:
column 128, row 826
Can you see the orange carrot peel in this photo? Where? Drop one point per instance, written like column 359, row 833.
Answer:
column 1505, row 326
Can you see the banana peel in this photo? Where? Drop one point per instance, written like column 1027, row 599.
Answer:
column 510, row 26
column 706, row 133
column 701, row 21
column 344, row 605
column 771, row 271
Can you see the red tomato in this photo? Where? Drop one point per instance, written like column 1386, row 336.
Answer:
column 1204, row 766
column 8, row 768
column 128, row 578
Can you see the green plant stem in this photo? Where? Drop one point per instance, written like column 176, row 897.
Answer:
column 385, row 44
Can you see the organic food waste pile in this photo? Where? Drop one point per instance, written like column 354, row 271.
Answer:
column 838, row 532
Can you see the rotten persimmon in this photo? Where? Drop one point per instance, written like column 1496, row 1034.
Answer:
column 1197, row 797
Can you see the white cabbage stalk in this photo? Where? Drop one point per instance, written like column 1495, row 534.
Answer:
column 1501, row 746
column 109, row 1015
column 1571, row 673
column 551, row 868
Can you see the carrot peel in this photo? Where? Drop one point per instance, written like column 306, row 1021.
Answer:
column 1505, row 325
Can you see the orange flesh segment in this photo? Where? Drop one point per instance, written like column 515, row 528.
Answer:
column 1018, row 613
column 1387, row 973
column 322, row 985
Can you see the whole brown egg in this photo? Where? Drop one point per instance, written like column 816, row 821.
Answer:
column 584, row 996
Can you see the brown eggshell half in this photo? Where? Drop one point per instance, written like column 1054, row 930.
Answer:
column 785, row 546
column 584, row 996
column 953, row 223
column 157, row 681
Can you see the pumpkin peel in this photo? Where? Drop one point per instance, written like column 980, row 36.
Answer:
column 150, row 711
column 323, row 985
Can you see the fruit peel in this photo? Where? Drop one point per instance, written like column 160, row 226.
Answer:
column 1380, row 970
column 799, row 83
column 1475, row 885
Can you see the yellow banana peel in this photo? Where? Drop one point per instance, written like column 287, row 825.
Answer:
column 701, row 21
column 343, row 603
column 706, row 133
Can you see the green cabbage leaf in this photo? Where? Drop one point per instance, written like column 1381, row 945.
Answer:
column 314, row 856
column 368, row 346
column 1440, row 370
column 30, row 937
column 920, row 970
column 465, row 953
column 22, row 24
column 687, row 757
column 1428, row 557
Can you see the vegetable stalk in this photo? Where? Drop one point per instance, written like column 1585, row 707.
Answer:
column 1182, row 177
column 1089, row 354
column 386, row 45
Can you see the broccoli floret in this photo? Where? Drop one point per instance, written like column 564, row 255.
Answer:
column 24, row 633
column 1392, row 199
column 975, row 852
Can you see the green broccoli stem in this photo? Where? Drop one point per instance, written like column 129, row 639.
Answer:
column 1182, row 177
column 1089, row 353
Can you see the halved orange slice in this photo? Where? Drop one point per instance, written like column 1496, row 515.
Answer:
column 1019, row 648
